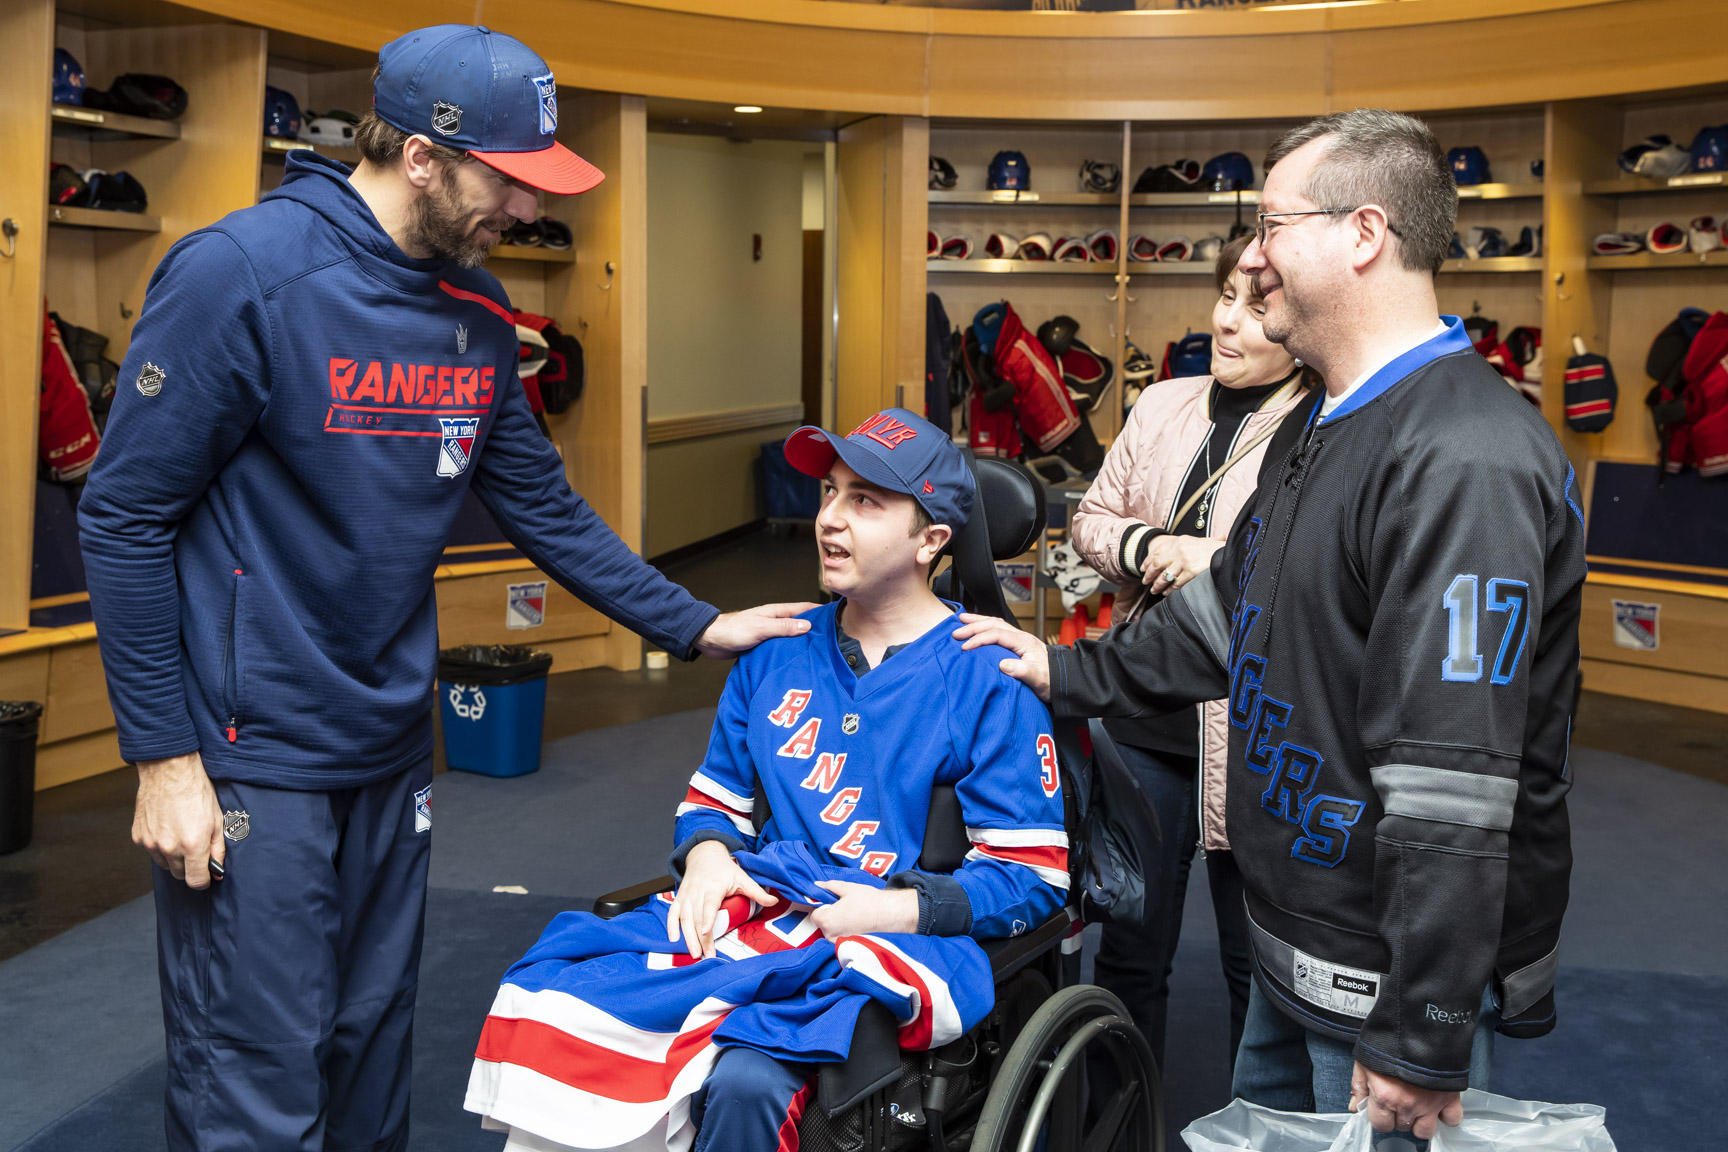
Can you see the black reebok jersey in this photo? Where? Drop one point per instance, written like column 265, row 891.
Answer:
column 1395, row 623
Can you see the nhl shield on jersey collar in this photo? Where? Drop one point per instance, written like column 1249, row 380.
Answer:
column 1453, row 339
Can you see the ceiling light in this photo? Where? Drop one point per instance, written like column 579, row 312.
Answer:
column 747, row 108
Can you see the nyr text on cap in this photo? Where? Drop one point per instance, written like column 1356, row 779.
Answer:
column 899, row 451
column 469, row 87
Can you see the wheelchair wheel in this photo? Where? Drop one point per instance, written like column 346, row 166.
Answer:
column 1038, row 1100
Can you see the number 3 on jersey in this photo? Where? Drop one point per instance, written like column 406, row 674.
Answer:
column 1047, row 776
column 1463, row 663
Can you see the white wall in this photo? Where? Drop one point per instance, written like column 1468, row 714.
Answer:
column 724, row 331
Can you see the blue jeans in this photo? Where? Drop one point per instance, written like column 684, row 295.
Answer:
column 1135, row 961
column 1283, row 1065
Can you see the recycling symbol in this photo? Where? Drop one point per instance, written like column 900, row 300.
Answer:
column 461, row 706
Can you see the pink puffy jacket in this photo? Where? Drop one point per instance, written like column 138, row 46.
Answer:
column 1138, row 484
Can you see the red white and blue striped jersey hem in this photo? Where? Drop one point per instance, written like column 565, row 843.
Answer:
column 599, row 1036
column 848, row 765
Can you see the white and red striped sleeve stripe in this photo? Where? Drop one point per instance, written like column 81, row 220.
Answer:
column 1043, row 850
column 565, row 1070
column 934, row 1018
column 707, row 795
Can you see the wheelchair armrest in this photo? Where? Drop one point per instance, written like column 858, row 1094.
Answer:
column 619, row 902
column 1010, row 954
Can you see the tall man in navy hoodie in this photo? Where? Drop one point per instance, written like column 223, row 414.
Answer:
column 314, row 385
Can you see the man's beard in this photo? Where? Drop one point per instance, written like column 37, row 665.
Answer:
column 438, row 223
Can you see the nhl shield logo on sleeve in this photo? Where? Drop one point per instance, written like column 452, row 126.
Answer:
column 1636, row 625
column 525, row 606
column 150, row 379
column 458, row 446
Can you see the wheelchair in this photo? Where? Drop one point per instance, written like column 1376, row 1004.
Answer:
column 1018, row 1080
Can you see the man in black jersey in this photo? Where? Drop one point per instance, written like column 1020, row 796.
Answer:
column 1394, row 621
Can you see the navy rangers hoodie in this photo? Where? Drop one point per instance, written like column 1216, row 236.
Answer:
column 300, row 414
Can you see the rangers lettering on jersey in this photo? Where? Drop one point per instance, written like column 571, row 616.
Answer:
column 842, row 805
column 802, row 743
column 790, row 706
column 826, row 774
column 1291, row 793
column 851, row 845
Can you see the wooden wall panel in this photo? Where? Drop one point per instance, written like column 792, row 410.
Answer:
column 601, row 436
column 881, row 172
column 471, row 611
column 27, row 30
column 905, row 60
column 77, row 701
column 1693, row 631
column 193, row 181
column 1657, row 684
column 1576, row 301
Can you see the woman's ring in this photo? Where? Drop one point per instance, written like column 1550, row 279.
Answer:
column 1170, row 575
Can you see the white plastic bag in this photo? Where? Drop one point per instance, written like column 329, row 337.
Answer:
column 1491, row 1124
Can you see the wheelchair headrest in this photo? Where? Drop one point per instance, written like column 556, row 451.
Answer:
column 1013, row 505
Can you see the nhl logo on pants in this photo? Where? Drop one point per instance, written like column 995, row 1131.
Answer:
column 458, row 446
column 236, row 825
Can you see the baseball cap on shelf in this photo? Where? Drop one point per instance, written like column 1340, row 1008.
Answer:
column 1703, row 235
column 1617, row 244
column 468, row 87
column 1666, row 238
column 1071, row 249
column 897, row 450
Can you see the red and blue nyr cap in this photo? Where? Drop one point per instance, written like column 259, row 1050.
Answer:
column 896, row 450
column 469, row 87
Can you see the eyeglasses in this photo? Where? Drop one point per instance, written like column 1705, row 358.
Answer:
column 1261, row 232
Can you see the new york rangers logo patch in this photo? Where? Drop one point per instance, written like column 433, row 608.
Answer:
column 1637, row 625
column 526, row 605
column 423, row 809
column 458, row 446
column 548, row 90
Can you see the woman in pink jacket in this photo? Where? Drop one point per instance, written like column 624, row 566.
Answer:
column 1185, row 464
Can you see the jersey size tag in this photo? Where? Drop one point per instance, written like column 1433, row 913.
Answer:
column 1347, row 991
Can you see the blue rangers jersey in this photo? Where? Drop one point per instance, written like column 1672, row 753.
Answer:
column 847, row 765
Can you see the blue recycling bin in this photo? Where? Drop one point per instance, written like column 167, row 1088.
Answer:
column 493, row 701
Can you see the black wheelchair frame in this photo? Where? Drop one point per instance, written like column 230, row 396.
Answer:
column 1019, row 1079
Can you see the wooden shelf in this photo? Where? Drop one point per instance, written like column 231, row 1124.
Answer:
column 1021, row 267
column 1030, row 199
column 548, row 255
column 1531, row 191
column 1170, row 268
column 1495, row 264
column 278, row 146
column 1643, row 261
column 97, row 218
column 1638, row 186
column 76, row 116
column 1192, row 199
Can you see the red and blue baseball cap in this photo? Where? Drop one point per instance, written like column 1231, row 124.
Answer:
column 896, row 450
column 468, row 87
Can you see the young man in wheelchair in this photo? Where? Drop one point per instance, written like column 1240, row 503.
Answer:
column 842, row 735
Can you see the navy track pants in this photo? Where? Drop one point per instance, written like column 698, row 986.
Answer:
column 751, row 1102
column 288, row 987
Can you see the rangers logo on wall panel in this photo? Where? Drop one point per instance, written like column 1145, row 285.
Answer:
column 525, row 605
column 1635, row 625
column 458, row 446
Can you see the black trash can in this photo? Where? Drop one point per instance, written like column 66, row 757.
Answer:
column 18, row 723
column 493, row 698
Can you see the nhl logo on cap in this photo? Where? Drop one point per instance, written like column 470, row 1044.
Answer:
column 447, row 118
column 150, row 379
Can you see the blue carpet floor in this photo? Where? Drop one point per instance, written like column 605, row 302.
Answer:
column 1643, row 990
